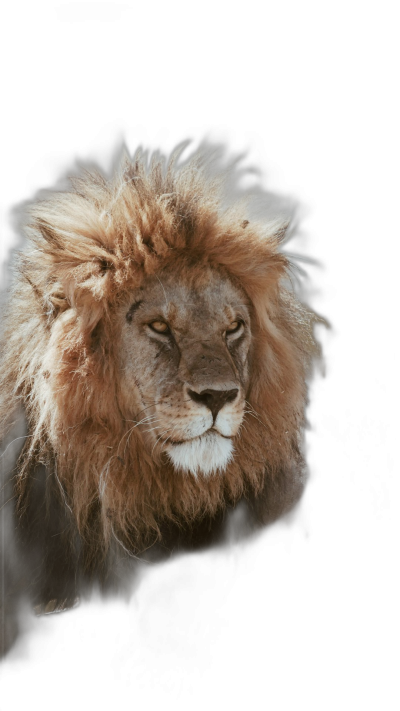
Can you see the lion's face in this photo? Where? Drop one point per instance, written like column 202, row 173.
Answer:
column 184, row 366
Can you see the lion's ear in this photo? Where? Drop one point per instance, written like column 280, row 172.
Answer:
column 57, row 303
column 50, row 235
column 50, row 297
column 55, row 300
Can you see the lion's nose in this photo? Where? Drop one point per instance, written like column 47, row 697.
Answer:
column 214, row 399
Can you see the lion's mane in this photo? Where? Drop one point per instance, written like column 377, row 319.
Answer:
column 86, row 249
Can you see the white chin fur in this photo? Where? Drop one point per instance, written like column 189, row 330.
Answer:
column 206, row 454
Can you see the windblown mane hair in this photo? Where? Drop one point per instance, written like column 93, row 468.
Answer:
column 87, row 249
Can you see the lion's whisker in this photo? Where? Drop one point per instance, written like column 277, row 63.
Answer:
column 128, row 433
column 252, row 412
column 169, row 436
column 138, row 422
column 144, row 408
column 258, row 419
column 161, row 435
column 157, row 440
column 172, row 432
column 252, row 408
column 152, row 428
column 143, row 419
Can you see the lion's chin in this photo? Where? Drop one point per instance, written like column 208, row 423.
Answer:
column 208, row 454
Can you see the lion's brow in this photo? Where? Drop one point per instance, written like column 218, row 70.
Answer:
column 135, row 307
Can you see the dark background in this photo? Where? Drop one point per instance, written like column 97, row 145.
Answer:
column 306, row 613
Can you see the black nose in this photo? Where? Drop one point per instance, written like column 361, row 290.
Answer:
column 214, row 399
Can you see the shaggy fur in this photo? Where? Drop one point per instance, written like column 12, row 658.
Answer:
column 87, row 251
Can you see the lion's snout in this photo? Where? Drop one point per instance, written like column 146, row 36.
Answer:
column 214, row 400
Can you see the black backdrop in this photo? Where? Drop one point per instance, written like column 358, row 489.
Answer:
column 305, row 613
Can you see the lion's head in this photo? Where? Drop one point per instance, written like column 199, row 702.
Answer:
column 158, row 352
column 185, row 340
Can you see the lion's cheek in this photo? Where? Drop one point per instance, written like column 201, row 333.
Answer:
column 138, row 381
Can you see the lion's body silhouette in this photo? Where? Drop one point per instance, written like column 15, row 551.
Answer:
column 157, row 357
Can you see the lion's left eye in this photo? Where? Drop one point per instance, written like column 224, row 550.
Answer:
column 159, row 326
column 234, row 327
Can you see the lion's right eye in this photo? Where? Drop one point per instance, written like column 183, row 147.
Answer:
column 234, row 327
column 159, row 327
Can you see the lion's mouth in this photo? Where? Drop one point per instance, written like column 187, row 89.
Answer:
column 176, row 442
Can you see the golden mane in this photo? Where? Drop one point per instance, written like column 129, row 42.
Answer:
column 87, row 248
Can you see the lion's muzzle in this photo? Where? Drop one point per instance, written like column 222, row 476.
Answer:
column 213, row 399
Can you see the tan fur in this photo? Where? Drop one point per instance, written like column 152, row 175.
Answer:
column 88, row 251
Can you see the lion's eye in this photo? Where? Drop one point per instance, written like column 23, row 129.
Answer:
column 159, row 327
column 234, row 327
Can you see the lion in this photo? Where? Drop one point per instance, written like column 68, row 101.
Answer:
column 157, row 355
